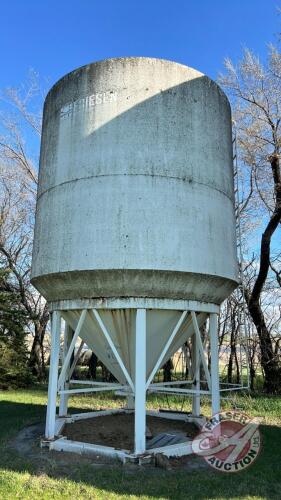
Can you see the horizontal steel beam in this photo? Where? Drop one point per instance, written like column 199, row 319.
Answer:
column 94, row 382
column 68, row 445
column 89, row 389
column 178, row 382
column 171, row 390
column 238, row 388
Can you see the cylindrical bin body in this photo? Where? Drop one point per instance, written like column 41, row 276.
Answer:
column 135, row 193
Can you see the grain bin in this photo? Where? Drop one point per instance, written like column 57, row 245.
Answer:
column 135, row 240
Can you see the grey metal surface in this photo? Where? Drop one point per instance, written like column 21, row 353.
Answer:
column 166, row 439
column 120, row 325
column 135, row 193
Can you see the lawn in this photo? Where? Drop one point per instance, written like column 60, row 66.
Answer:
column 23, row 478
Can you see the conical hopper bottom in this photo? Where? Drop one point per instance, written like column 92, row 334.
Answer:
column 121, row 327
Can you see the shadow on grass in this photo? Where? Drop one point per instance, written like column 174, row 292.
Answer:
column 260, row 480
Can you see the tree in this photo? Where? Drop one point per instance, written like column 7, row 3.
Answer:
column 255, row 91
column 13, row 350
column 230, row 329
column 18, row 186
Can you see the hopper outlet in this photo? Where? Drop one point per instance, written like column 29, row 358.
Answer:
column 111, row 335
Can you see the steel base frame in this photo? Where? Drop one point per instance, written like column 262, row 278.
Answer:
column 61, row 443
column 135, row 391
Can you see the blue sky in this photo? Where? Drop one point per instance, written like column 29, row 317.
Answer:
column 54, row 37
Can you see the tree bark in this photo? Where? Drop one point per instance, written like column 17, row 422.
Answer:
column 36, row 357
column 272, row 371
column 167, row 371
column 93, row 361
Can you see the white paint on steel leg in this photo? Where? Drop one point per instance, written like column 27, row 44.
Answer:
column 196, row 377
column 214, row 363
column 53, row 375
column 68, row 335
column 140, row 381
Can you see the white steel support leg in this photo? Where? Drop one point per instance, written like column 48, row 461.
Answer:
column 140, row 381
column 53, row 375
column 68, row 334
column 196, row 375
column 214, row 363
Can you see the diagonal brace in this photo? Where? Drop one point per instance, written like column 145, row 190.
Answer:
column 201, row 348
column 76, row 357
column 194, row 370
column 71, row 349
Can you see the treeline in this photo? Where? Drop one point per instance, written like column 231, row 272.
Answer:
column 254, row 90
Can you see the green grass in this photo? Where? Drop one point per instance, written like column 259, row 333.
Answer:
column 26, row 479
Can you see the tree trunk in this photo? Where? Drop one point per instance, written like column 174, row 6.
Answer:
column 36, row 358
column 167, row 369
column 272, row 371
column 252, row 377
column 237, row 367
column 232, row 349
column 230, row 367
column 93, row 361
